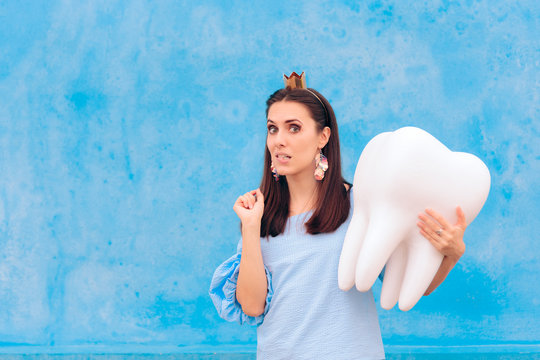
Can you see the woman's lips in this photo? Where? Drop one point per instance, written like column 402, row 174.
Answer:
column 282, row 158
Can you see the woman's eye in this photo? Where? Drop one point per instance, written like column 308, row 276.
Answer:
column 295, row 128
column 272, row 129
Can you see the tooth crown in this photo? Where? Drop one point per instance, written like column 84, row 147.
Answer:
column 400, row 174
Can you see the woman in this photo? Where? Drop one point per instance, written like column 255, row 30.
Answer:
column 284, row 275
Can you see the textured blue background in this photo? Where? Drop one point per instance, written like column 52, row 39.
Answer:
column 128, row 129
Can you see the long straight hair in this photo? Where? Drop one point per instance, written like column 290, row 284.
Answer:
column 333, row 205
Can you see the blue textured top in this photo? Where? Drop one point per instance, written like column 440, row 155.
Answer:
column 306, row 316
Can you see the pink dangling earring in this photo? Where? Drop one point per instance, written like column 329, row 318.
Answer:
column 274, row 171
column 321, row 163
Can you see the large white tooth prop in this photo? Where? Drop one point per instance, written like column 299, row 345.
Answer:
column 399, row 175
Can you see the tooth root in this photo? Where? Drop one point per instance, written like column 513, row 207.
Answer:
column 350, row 250
column 422, row 265
column 393, row 277
column 383, row 235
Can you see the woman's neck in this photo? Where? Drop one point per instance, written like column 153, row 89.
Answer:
column 303, row 193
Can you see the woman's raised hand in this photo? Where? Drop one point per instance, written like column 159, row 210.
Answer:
column 447, row 238
column 250, row 207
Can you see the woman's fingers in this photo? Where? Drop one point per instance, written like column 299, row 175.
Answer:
column 249, row 204
column 259, row 198
column 438, row 243
column 437, row 221
column 433, row 240
column 439, row 218
column 249, row 207
column 442, row 243
column 244, row 200
column 430, row 223
column 446, row 238
column 461, row 222
column 239, row 201
column 429, row 231
column 250, row 198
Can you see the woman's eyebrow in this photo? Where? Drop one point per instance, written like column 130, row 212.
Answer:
column 286, row 121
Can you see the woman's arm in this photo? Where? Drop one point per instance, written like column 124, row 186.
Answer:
column 447, row 264
column 252, row 286
column 447, row 239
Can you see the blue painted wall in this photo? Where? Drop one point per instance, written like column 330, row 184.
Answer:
column 128, row 129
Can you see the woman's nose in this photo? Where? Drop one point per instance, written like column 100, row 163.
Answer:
column 279, row 139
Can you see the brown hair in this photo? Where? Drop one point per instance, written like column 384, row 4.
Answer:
column 333, row 205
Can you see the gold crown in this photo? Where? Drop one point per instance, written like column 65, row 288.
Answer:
column 295, row 81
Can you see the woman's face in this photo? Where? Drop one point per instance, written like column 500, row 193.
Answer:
column 293, row 139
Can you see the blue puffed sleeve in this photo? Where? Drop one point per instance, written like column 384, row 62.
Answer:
column 223, row 292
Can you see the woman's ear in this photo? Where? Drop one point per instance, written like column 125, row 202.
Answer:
column 324, row 137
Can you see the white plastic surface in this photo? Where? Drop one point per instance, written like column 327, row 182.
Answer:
column 399, row 175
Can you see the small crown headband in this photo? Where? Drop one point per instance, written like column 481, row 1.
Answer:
column 295, row 81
